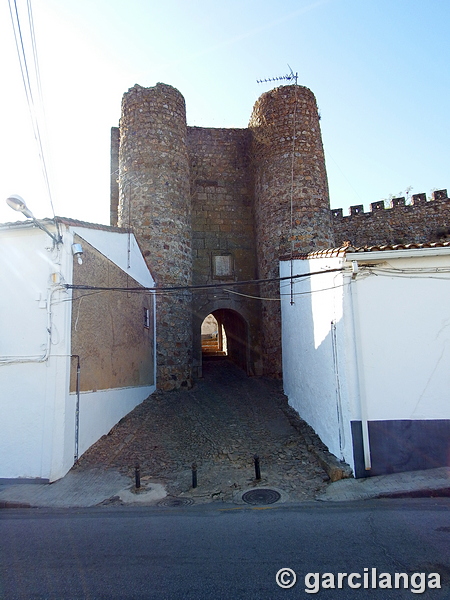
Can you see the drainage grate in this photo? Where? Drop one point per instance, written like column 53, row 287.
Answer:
column 174, row 502
column 261, row 496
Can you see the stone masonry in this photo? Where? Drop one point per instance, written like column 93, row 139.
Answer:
column 154, row 199
column 292, row 210
column 215, row 207
column 420, row 222
column 219, row 206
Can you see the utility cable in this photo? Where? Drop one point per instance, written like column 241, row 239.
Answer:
column 189, row 288
column 28, row 86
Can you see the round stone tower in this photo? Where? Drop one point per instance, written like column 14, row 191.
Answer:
column 154, row 199
column 292, row 210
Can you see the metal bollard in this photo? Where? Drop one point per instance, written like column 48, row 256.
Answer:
column 194, row 475
column 257, row 468
column 137, row 475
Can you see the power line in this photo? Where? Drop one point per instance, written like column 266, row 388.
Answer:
column 196, row 288
column 34, row 100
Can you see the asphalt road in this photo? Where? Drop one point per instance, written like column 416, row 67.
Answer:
column 225, row 552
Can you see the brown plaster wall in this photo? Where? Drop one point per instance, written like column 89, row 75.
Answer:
column 108, row 332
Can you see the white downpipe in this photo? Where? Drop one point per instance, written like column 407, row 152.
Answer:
column 154, row 339
column 360, row 374
column 340, row 419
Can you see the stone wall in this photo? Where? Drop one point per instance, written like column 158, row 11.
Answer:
column 419, row 222
column 212, row 207
column 223, row 237
column 154, row 199
column 114, row 176
column 243, row 196
column 292, row 210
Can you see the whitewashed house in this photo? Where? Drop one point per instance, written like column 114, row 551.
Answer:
column 366, row 353
column 73, row 362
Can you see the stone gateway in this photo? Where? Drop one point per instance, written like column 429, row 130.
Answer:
column 214, row 207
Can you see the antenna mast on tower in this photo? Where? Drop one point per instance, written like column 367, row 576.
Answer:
column 289, row 77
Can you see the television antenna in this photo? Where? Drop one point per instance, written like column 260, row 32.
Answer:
column 291, row 76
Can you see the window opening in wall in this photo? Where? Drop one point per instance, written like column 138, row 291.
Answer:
column 214, row 339
column 146, row 317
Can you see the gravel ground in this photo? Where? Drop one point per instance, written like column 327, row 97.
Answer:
column 220, row 424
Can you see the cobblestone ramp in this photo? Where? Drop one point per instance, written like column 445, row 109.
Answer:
column 220, row 424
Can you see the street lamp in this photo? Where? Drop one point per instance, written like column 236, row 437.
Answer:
column 18, row 203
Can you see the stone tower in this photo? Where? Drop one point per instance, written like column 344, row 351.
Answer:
column 292, row 209
column 154, row 199
column 215, row 207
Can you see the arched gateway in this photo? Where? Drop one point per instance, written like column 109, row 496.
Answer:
column 225, row 333
column 217, row 207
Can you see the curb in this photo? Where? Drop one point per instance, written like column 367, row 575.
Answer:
column 10, row 504
column 425, row 493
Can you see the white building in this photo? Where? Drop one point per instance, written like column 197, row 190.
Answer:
column 73, row 362
column 366, row 353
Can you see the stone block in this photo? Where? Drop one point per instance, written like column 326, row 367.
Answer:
column 357, row 209
column 440, row 195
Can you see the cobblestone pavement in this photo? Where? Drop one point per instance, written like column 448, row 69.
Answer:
column 220, row 424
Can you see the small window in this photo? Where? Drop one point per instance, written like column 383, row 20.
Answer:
column 146, row 317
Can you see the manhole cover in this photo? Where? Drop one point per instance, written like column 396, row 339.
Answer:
column 174, row 502
column 261, row 496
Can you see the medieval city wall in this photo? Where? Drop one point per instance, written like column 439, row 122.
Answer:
column 212, row 207
column 223, row 237
column 154, row 199
column 419, row 222
column 292, row 208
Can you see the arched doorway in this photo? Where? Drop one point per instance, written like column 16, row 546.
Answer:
column 229, row 337
column 214, row 338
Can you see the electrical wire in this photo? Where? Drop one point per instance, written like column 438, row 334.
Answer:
column 191, row 288
column 35, row 105
column 290, row 294
column 437, row 273
column 225, row 287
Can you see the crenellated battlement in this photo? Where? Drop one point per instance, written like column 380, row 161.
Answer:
column 213, row 205
column 421, row 220
column 416, row 199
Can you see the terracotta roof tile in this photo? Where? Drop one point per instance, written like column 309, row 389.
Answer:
column 348, row 249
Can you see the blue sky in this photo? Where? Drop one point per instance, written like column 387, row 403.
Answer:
column 379, row 70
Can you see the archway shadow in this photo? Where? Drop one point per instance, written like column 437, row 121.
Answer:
column 231, row 341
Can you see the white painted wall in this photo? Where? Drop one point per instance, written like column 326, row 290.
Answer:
column 33, row 387
column 120, row 248
column 404, row 337
column 314, row 342
column 389, row 355
column 101, row 410
column 37, row 412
